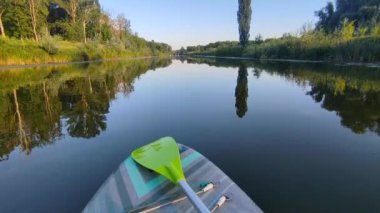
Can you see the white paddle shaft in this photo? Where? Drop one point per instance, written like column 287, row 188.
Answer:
column 201, row 207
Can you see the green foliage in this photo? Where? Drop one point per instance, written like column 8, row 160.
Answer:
column 17, row 52
column 106, row 33
column 311, row 46
column 233, row 50
column 49, row 44
column 347, row 33
column 16, row 19
column 363, row 12
column 93, row 24
column 375, row 31
column 327, row 19
column 74, row 21
column 362, row 31
column 348, row 29
column 244, row 19
column 182, row 51
column 67, row 30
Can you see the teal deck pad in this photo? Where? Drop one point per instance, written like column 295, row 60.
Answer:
column 143, row 187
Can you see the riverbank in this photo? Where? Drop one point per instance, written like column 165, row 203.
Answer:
column 351, row 64
column 12, row 67
column 15, row 52
column 313, row 47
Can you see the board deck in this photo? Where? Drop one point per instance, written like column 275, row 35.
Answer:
column 132, row 188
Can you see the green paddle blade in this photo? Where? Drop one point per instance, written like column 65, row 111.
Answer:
column 161, row 156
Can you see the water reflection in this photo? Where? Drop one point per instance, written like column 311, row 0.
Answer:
column 352, row 92
column 241, row 91
column 85, row 103
column 36, row 104
column 358, row 111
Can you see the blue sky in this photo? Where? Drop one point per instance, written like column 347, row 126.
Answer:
column 191, row 22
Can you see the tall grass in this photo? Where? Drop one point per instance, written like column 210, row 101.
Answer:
column 55, row 50
column 310, row 46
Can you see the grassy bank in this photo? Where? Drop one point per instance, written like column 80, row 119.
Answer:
column 313, row 46
column 54, row 50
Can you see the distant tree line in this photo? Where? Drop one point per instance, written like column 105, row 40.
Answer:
column 347, row 31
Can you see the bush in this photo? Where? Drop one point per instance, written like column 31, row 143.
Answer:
column 376, row 31
column 49, row 44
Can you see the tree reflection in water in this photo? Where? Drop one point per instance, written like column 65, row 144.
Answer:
column 85, row 106
column 241, row 92
column 352, row 92
column 359, row 111
column 34, row 102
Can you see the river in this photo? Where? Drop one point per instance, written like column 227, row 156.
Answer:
column 296, row 137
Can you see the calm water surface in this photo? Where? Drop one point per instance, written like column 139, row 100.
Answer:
column 295, row 137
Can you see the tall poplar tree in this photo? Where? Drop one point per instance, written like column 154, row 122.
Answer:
column 244, row 19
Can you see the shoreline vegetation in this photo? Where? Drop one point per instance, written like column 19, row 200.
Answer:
column 346, row 32
column 311, row 47
column 351, row 64
column 14, row 52
column 53, row 64
column 44, row 32
column 22, row 53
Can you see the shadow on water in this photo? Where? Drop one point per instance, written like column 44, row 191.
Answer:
column 353, row 93
column 38, row 104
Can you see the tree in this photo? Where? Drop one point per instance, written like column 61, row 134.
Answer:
column 182, row 51
column 259, row 39
column 105, row 32
column 244, row 19
column 122, row 25
column 365, row 13
column 2, row 31
column 38, row 14
column 73, row 5
column 105, row 26
column 362, row 31
column 87, row 9
column 93, row 27
column 3, row 5
column 376, row 30
column 326, row 18
column 33, row 16
column 16, row 19
column 348, row 29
